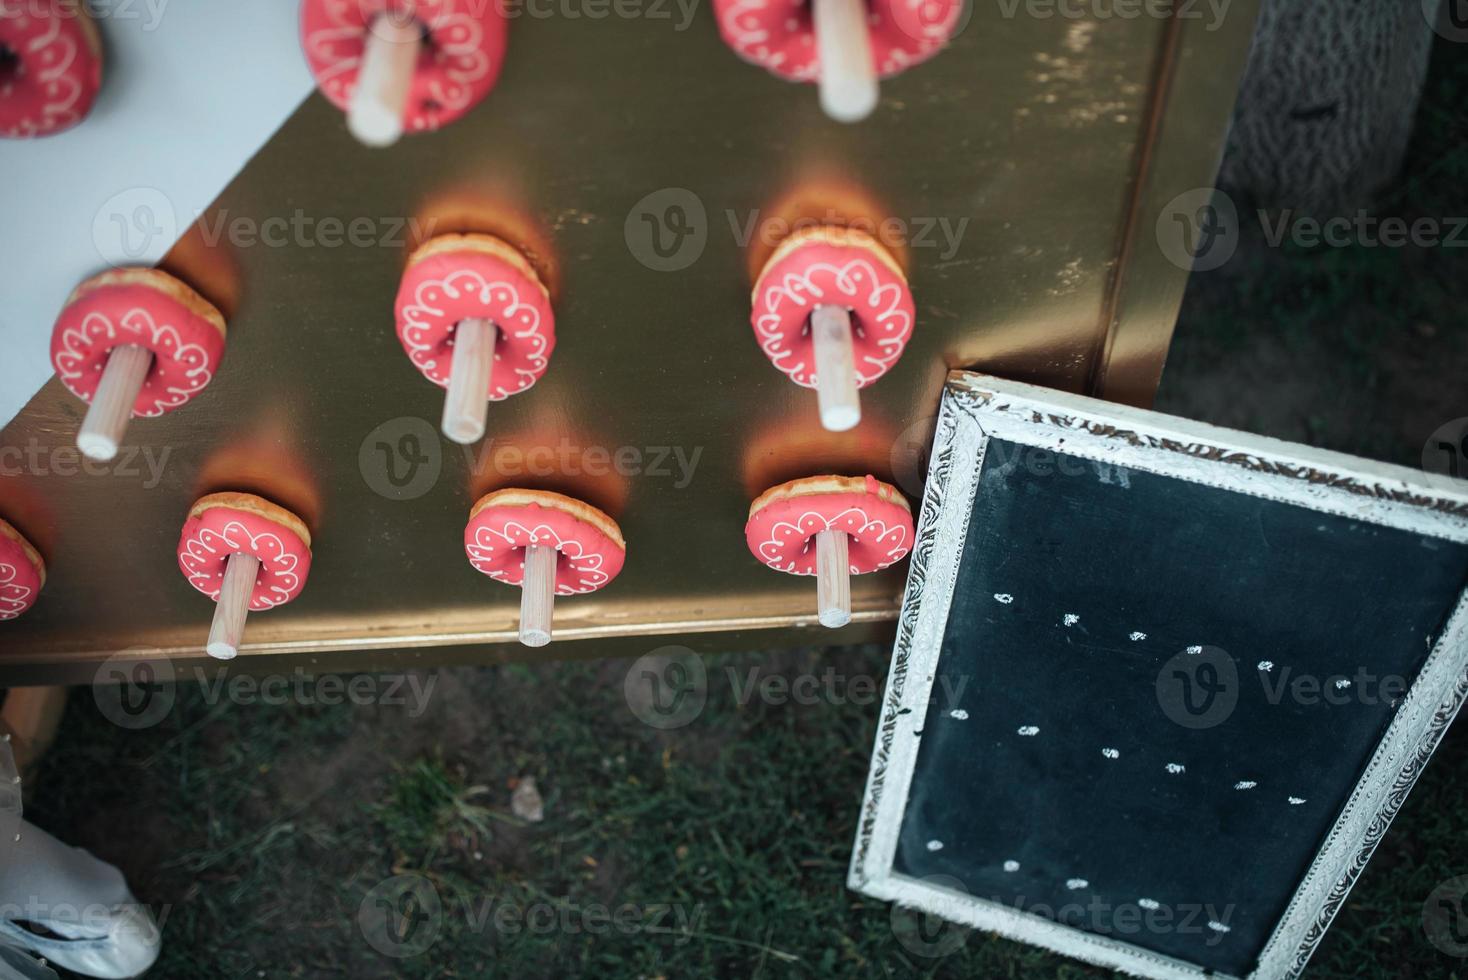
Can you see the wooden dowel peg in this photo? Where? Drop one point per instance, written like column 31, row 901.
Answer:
column 830, row 328
column 833, row 578
column 380, row 101
column 844, row 49
column 228, row 630
column 537, row 600
column 466, row 406
column 112, row 403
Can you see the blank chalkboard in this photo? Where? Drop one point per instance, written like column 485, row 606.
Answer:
column 1157, row 684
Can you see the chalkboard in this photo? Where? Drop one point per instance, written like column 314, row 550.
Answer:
column 1158, row 687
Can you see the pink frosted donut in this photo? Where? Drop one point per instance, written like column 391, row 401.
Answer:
column 502, row 524
column 779, row 35
column 455, row 277
column 225, row 524
column 784, row 521
column 840, row 266
column 22, row 573
column 145, row 307
column 50, row 66
column 457, row 66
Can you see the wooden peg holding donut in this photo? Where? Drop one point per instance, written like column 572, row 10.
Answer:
column 133, row 342
column 546, row 543
column 848, row 72
column 247, row 554
column 831, row 527
column 843, row 45
column 832, row 310
column 380, row 100
column 475, row 319
column 403, row 66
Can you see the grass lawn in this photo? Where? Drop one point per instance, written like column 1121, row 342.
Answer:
column 719, row 848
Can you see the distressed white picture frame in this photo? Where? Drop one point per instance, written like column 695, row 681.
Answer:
column 977, row 408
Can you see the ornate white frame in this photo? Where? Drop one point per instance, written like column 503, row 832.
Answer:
column 976, row 408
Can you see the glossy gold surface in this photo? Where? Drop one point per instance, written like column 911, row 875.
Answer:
column 1045, row 146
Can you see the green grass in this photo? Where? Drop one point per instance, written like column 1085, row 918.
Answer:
column 723, row 843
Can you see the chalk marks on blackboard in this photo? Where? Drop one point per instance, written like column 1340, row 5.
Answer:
column 1110, row 753
column 1003, row 597
column 1175, row 768
column 1266, row 665
column 958, row 714
column 1028, row 731
column 1011, row 866
column 1194, row 650
column 1076, row 884
column 1295, row 801
column 1217, row 927
column 935, row 845
column 1137, row 636
column 1070, row 619
column 1342, row 683
column 1245, row 784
